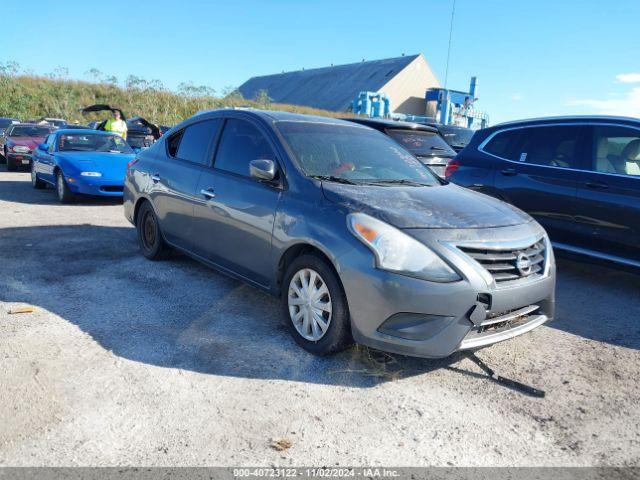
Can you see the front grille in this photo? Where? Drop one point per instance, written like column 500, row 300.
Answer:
column 111, row 188
column 509, row 264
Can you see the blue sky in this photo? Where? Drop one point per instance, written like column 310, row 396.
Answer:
column 532, row 58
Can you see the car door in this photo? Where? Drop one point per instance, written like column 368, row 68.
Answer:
column 540, row 174
column 608, row 199
column 44, row 161
column 174, row 178
column 235, row 215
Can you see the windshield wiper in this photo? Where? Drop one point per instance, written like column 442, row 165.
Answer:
column 439, row 148
column 397, row 181
column 331, row 178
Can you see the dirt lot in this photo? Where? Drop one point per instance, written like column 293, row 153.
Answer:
column 129, row 362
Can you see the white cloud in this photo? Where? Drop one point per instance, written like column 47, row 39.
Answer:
column 628, row 78
column 627, row 105
column 516, row 97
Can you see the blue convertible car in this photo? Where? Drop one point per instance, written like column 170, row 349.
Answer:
column 87, row 162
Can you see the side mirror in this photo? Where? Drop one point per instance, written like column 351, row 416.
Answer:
column 262, row 169
column 42, row 147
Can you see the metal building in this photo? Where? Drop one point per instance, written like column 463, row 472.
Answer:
column 404, row 79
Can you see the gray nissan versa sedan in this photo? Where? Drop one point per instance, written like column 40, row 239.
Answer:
column 359, row 240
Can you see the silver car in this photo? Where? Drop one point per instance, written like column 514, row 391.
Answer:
column 359, row 240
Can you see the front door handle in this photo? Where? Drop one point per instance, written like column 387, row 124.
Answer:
column 155, row 178
column 597, row 185
column 208, row 193
column 509, row 172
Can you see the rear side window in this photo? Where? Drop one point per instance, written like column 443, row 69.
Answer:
column 240, row 143
column 555, row 146
column 192, row 143
column 616, row 150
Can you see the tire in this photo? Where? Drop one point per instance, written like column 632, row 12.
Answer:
column 65, row 195
column 336, row 335
column 150, row 238
column 35, row 181
column 11, row 167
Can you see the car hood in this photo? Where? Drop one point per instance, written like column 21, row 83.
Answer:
column 442, row 206
column 31, row 142
column 109, row 164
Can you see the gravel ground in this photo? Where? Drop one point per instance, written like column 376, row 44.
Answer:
column 129, row 362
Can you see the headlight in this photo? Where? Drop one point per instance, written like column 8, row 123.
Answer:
column 20, row 149
column 91, row 174
column 398, row 252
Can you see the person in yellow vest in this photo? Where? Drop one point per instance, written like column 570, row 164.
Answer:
column 116, row 125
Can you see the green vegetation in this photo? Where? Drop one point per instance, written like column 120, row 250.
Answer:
column 25, row 95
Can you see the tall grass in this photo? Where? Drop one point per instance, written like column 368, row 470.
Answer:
column 25, row 96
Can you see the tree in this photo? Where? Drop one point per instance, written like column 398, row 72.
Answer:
column 262, row 98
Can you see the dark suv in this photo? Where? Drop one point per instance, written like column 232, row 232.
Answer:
column 578, row 176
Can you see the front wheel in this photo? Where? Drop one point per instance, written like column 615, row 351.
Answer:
column 150, row 238
column 315, row 306
column 35, row 181
column 65, row 195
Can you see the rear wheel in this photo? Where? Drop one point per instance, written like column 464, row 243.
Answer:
column 150, row 238
column 315, row 306
column 65, row 195
column 35, row 181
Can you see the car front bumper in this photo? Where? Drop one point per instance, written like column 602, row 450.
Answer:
column 99, row 186
column 415, row 317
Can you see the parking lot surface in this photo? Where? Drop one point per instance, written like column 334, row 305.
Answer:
column 129, row 362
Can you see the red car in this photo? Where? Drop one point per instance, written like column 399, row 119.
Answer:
column 21, row 140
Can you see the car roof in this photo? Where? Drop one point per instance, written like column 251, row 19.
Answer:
column 565, row 119
column 387, row 123
column 279, row 116
column 76, row 131
column 30, row 124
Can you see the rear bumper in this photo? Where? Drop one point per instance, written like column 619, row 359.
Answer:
column 19, row 159
column 414, row 317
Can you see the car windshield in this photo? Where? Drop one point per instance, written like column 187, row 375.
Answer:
column 29, row 131
column 422, row 143
column 456, row 136
column 352, row 154
column 91, row 142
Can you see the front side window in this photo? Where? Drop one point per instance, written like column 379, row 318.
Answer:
column 194, row 141
column 616, row 150
column 555, row 146
column 421, row 143
column 352, row 154
column 240, row 143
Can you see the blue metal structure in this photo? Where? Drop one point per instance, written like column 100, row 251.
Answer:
column 372, row 104
column 454, row 107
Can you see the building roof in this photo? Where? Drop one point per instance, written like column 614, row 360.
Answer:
column 328, row 88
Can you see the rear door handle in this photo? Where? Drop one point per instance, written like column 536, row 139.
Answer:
column 155, row 177
column 208, row 193
column 597, row 185
column 509, row 172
